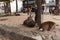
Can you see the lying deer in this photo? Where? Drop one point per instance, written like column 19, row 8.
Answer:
column 47, row 26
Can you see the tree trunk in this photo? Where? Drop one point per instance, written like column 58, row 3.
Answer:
column 43, row 1
column 9, row 7
column 57, row 7
column 16, row 6
column 39, row 12
column 27, row 2
column 4, row 8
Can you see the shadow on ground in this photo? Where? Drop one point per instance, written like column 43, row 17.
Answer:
column 7, row 35
column 4, row 19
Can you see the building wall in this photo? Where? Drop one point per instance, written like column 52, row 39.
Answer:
column 13, row 6
column 1, row 7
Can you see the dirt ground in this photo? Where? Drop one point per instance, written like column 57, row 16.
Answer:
column 15, row 22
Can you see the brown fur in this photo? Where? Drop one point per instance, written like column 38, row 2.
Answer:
column 47, row 26
column 29, row 22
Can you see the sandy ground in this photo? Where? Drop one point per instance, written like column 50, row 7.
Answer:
column 17, row 21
